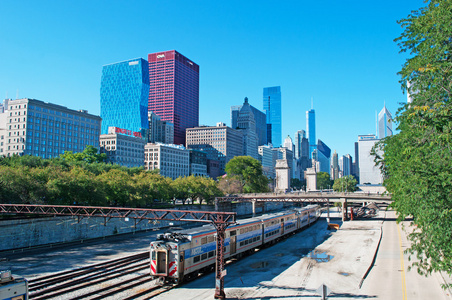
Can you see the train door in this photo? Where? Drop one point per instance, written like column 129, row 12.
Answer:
column 181, row 265
column 282, row 226
column 162, row 266
column 233, row 242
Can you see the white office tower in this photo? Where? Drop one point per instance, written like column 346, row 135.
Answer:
column 384, row 123
column 368, row 172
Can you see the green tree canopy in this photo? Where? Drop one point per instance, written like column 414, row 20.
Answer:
column 417, row 162
column 323, row 181
column 249, row 170
column 345, row 184
column 89, row 155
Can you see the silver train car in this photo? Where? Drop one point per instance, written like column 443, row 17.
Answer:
column 179, row 256
column 13, row 287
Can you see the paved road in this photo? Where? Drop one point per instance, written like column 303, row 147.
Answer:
column 390, row 278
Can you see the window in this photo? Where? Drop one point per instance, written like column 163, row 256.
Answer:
column 196, row 259
column 204, row 256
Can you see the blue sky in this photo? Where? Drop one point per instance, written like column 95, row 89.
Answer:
column 340, row 53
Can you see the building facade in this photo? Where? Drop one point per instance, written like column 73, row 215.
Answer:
column 267, row 158
column 123, row 147
column 310, row 127
column 124, row 90
column 38, row 128
column 368, row 172
column 345, row 165
column 198, row 163
column 220, row 142
column 174, row 91
column 272, row 108
column 172, row 160
column 159, row 131
column 260, row 120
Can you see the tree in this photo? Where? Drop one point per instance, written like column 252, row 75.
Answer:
column 345, row 184
column 417, row 162
column 296, row 183
column 230, row 184
column 323, row 181
column 249, row 170
column 89, row 155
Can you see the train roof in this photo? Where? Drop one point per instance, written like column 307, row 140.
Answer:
column 187, row 234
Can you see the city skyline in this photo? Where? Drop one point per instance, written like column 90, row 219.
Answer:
column 349, row 70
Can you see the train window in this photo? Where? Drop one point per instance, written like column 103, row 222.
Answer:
column 210, row 238
column 241, row 244
column 246, row 242
column 204, row 256
column 258, row 237
column 196, row 258
column 153, row 255
column 211, row 253
column 204, row 240
column 233, row 232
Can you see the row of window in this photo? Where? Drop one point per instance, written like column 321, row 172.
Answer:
column 204, row 256
column 271, row 233
column 250, row 241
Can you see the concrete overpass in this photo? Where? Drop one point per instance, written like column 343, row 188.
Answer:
column 316, row 197
column 357, row 197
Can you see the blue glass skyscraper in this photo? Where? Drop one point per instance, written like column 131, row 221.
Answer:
column 124, row 93
column 272, row 108
column 310, row 128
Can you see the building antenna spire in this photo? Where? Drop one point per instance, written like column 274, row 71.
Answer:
column 312, row 102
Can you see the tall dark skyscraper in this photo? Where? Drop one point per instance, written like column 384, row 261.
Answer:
column 174, row 91
column 272, row 107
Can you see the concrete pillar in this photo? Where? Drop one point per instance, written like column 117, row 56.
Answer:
column 344, row 209
column 253, row 203
column 328, row 211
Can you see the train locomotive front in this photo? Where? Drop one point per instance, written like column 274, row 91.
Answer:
column 167, row 257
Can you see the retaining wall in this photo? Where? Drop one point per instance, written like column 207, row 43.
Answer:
column 24, row 233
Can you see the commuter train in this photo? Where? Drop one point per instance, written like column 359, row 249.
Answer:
column 179, row 256
column 13, row 287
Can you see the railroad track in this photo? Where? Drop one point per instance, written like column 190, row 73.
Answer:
column 123, row 278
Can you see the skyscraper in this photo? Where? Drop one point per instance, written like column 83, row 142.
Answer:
column 335, row 166
column 384, row 123
column 310, row 127
column 247, row 125
column 272, row 108
column 323, row 157
column 124, row 91
column 299, row 136
column 174, row 91
column 259, row 117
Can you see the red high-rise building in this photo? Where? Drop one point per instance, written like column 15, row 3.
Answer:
column 174, row 91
